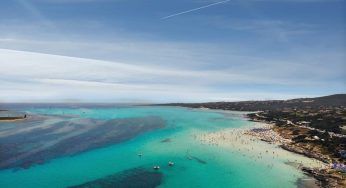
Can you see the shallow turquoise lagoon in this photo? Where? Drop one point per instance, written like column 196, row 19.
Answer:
column 196, row 164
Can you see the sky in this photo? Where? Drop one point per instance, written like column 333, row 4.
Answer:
column 157, row 51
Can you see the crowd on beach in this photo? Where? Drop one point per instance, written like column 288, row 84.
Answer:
column 339, row 166
column 265, row 133
column 247, row 140
column 249, row 143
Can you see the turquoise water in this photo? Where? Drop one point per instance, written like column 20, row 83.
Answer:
column 221, row 168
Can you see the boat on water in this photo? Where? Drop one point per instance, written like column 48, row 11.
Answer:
column 156, row 167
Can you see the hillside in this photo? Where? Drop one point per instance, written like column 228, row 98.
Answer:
column 327, row 113
column 331, row 101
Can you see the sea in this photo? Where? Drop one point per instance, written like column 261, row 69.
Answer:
column 89, row 145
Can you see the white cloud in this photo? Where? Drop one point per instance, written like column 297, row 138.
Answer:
column 27, row 76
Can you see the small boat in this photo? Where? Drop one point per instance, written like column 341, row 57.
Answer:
column 170, row 163
column 139, row 154
column 156, row 167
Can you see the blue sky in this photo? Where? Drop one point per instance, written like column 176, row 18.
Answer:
column 125, row 51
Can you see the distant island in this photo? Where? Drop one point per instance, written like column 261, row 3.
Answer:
column 7, row 115
column 314, row 127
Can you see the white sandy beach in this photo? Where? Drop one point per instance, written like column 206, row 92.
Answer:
column 249, row 144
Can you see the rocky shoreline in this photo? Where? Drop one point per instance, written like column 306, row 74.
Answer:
column 326, row 176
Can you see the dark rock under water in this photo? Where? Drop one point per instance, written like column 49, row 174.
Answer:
column 28, row 143
column 166, row 140
column 133, row 178
column 307, row 183
column 198, row 160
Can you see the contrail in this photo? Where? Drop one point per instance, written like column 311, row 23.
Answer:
column 199, row 8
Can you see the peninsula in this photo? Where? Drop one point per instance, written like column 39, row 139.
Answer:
column 314, row 127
